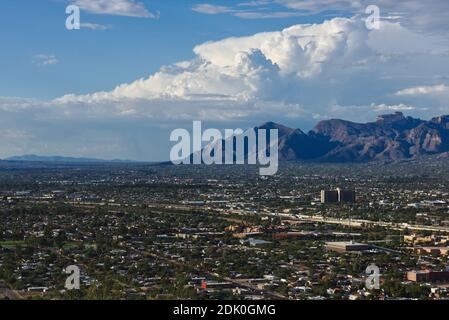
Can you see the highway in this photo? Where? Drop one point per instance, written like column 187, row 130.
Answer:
column 360, row 223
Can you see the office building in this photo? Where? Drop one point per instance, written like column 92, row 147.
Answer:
column 346, row 196
column 329, row 196
column 338, row 196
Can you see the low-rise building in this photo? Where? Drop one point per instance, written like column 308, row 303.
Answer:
column 347, row 246
column 428, row 276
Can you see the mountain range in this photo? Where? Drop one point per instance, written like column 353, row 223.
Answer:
column 391, row 137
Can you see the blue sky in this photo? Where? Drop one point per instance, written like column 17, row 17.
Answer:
column 90, row 60
column 137, row 69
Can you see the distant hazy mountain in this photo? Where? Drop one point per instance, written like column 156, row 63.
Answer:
column 36, row 158
column 391, row 137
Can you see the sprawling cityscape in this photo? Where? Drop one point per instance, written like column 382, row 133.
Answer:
column 222, row 159
column 142, row 231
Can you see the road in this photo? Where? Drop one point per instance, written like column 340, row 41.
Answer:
column 360, row 222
